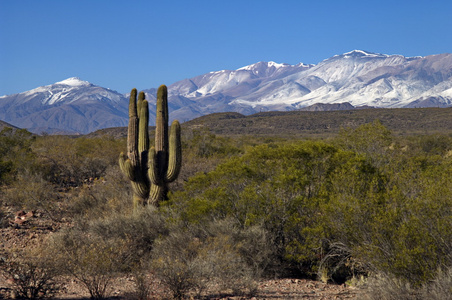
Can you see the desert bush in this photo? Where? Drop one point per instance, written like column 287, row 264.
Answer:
column 15, row 153
column 251, row 243
column 142, row 285
column 282, row 187
column 440, row 288
column 389, row 287
column 386, row 287
column 136, row 231
column 99, row 248
column 203, row 144
column 69, row 161
column 93, row 261
column 102, row 197
column 177, row 264
column 230, row 269
column 197, row 260
column 363, row 202
column 433, row 144
column 32, row 275
column 30, row 191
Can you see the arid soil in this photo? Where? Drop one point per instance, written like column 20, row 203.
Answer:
column 285, row 288
column 29, row 231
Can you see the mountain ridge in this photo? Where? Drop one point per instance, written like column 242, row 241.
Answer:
column 360, row 78
column 69, row 106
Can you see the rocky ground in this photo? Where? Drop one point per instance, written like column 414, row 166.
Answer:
column 286, row 288
column 28, row 229
column 269, row 289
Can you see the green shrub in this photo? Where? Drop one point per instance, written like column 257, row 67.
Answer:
column 15, row 153
column 400, row 229
column 434, row 144
column 365, row 202
column 203, row 144
column 283, row 187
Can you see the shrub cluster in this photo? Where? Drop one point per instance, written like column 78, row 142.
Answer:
column 365, row 203
column 216, row 257
column 386, row 286
column 33, row 275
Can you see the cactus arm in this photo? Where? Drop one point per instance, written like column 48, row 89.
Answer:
column 141, row 97
column 161, row 120
column 156, row 194
column 132, row 133
column 129, row 162
column 133, row 103
column 161, row 130
column 140, row 189
column 153, row 167
column 143, row 138
column 143, row 127
column 126, row 166
column 175, row 153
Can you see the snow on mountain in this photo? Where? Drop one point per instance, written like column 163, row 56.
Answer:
column 70, row 90
column 74, row 82
column 361, row 53
column 71, row 105
column 358, row 77
column 270, row 64
column 236, row 82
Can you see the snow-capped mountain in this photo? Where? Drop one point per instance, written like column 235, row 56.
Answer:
column 68, row 106
column 358, row 77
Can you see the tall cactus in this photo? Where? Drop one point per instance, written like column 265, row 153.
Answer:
column 135, row 164
column 165, row 158
column 150, row 170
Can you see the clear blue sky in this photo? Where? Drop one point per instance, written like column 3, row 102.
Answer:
column 142, row 44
